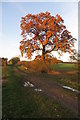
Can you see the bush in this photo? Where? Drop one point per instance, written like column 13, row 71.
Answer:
column 53, row 61
column 39, row 66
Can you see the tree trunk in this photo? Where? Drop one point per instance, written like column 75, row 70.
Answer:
column 43, row 52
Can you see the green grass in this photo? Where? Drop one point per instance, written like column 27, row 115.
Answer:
column 65, row 66
column 67, row 79
column 21, row 102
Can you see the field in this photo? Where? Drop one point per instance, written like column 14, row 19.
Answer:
column 52, row 102
column 67, row 74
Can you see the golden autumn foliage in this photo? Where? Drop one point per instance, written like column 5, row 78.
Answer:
column 46, row 33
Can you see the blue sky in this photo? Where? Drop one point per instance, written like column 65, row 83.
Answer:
column 13, row 11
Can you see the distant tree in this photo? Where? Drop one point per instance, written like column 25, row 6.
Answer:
column 46, row 33
column 14, row 60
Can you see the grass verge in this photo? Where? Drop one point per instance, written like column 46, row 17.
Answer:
column 21, row 102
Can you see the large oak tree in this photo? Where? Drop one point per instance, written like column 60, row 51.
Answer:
column 46, row 33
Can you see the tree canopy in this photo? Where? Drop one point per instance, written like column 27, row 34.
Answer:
column 75, row 56
column 46, row 33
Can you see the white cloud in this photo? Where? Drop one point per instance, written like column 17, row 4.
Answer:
column 8, row 47
column 9, row 51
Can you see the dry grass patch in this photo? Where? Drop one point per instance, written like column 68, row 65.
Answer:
column 54, row 72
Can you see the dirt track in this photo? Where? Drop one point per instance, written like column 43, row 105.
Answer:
column 54, row 90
